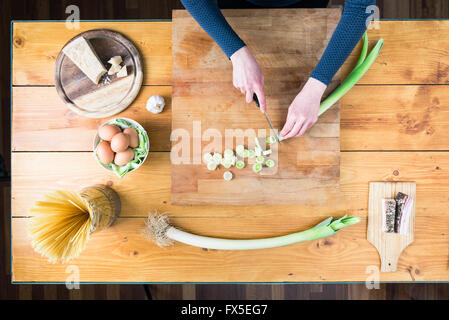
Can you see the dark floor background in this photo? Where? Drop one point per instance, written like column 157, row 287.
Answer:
column 160, row 9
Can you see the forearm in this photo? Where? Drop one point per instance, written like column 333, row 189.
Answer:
column 210, row 18
column 346, row 36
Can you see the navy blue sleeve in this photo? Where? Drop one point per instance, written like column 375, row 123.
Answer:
column 210, row 18
column 350, row 29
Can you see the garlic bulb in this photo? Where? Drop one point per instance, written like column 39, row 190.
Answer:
column 155, row 104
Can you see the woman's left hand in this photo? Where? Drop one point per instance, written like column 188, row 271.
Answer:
column 303, row 112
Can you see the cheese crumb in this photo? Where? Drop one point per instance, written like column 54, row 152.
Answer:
column 123, row 72
column 114, row 69
column 115, row 61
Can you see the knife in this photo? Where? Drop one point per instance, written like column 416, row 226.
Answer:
column 256, row 100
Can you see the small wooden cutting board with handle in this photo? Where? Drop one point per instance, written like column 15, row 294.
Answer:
column 389, row 245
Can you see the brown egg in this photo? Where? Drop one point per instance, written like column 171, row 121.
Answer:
column 133, row 137
column 108, row 131
column 122, row 158
column 120, row 142
column 105, row 153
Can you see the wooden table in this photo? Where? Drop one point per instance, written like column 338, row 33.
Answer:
column 393, row 128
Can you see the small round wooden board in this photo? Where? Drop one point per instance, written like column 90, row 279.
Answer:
column 113, row 94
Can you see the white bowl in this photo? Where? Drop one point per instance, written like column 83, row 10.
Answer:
column 135, row 123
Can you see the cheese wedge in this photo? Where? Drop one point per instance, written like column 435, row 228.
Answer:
column 81, row 52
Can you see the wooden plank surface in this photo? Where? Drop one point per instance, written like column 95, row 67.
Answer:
column 413, row 128
column 36, row 46
column 405, row 43
column 146, row 189
column 350, row 251
column 149, row 187
column 308, row 168
column 43, row 123
column 412, row 53
column 395, row 118
column 412, row 117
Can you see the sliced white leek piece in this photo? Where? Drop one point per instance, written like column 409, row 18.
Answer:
column 234, row 160
column 228, row 175
column 227, row 163
column 212, row 166
column 245, row 153
column 207, row 157
column 239, row 149
column 240, row 164
column 251, row 153
column 217, row 157
column 258, row 151
column 267, row 152
column 228, row 154
column 260, row 159
column 257, row 167
column 270, row 163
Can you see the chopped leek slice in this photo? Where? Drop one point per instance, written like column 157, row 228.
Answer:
column 239, row 149
column 245, row 153
column 267, row 152
column 240, row 164
column 217, row 157
column 257, row 167
column 228, row 176
column 260, row 159
column 251, row 153
column 212, row 166
column 227, row 163
column 258, row 151
column 270, row 163
column 228, row 153
column 271, row 140
column 208, row 157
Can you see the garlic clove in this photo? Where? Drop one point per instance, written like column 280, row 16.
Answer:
column 155, row 104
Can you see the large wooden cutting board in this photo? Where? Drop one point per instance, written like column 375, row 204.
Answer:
column 206, row 108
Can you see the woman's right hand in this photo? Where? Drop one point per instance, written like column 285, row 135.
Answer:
column 248, row 77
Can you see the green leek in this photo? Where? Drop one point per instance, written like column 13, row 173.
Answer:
column 361, row 68
column 163, row 233
column 364, row 51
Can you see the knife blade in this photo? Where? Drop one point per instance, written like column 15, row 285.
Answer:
column 256, row 100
